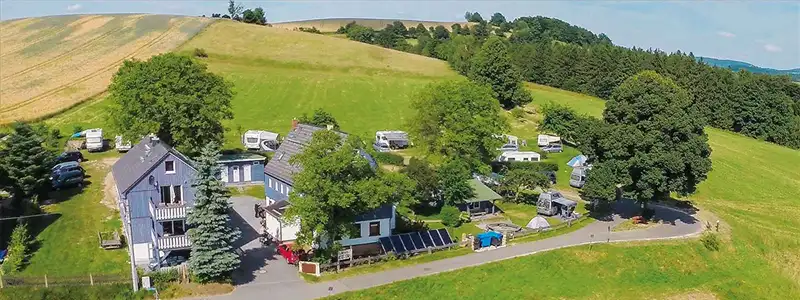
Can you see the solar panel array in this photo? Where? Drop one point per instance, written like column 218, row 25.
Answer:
column 416, row 241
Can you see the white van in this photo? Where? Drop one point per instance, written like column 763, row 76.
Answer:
column 524, row 156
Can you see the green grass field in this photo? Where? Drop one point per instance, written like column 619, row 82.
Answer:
column 753, row 188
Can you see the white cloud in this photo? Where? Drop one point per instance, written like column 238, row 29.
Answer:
column 74, row 7
column 725, row 34
column 772, row 48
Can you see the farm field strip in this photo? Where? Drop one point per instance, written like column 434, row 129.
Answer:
column 16, row 35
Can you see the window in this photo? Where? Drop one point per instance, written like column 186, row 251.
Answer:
column 270, row 182
column 169, row 167
column 171, row 194
column 256, row 163
column 252, row 140
column 524, row 159
column 356, row 231
column 511, row 159
column 374, row 228
column 176, row 227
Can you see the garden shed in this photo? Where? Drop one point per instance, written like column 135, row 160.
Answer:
column 482, row 202
column 242, row 168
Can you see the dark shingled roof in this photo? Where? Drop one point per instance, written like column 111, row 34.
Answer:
column 143, row 157
column 279, row 167
column 383, row 212
column 245, row 156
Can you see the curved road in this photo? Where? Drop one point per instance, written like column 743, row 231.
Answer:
column 677, row 224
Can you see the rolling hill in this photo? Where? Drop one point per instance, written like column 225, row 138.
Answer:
column 52, row 63
column 332, row 24
column 736, row 65
column 280, row 74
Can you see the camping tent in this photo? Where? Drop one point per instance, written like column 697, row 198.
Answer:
column 538, row 222
column 577, row 161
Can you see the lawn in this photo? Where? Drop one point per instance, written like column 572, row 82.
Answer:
column 753, row 188
column 255, row 191
column 69, row 246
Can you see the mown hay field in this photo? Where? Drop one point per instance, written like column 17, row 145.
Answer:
column 331, row 25
column 52, row 63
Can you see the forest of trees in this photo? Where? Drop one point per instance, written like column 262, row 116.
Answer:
column 552, row 52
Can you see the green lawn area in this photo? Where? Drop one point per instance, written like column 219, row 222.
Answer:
column 69, row 246
column 255, row 191
column 753, row 188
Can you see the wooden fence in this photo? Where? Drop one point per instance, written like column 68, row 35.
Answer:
column 528, row 232
column 48, row 281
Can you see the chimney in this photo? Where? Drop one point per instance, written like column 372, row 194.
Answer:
column 294, row 123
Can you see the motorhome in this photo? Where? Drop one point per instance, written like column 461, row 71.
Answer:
column 525, row 156
column 260, row 140
column 578, row 176
column 388, row 140
column 94, row 139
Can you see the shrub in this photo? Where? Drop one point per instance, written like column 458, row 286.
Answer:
column 200, row 52
column 162, row 279
column 310, row 30
column 17, row 249
column 389, row 158
column 451, row 216
column 518, row 113
column 77, row 129
column 710, row 241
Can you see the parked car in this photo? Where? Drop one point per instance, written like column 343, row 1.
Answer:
column 70, row 155
column 290, row 255
column 508, row 148
column 381, row 147
column 67, row 167
column 67, row 179
column 551, row 148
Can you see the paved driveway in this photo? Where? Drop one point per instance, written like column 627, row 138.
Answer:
column 260, row 265
column 677, row 224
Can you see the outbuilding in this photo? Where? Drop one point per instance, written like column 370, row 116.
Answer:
column 242, row 169
column 482, row 202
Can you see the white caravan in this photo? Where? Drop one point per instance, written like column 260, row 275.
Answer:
column 544, row 140
column 94, row 139
column 120, row 145
column 524, row 156
column 387, row 140
column 260, row 140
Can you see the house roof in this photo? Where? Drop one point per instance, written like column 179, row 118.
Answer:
column 279, row 167
column 383, row 212
column 142, row 158
column 277, row 209
column 244, row 156
column 482, row 192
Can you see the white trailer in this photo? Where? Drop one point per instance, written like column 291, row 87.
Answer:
column 260, row 140
column 120, row 145
column 94, row 139
column 544, row 140
column 524, row 156
column 387, row 140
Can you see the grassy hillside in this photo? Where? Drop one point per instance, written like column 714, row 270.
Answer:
column 52, row 63
column 331, row 25
column 753, row 189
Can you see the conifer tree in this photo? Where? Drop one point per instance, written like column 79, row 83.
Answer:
column 27, row 165
column 212, row 235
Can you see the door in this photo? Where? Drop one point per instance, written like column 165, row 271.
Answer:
column 224, row 173
column 248, row 176
column 236, row 174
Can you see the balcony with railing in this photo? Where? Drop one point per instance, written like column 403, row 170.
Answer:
column 170, row 212
column 174, row 242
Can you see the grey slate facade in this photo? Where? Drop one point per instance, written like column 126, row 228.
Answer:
column 154, row 183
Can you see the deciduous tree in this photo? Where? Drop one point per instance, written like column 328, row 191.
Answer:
column 492, row 66
column 458, row 119
column 453, row 178
column 320, row 118
column 174, row 97
column 212, row 234
column 497, row 19
column 235, row 10
column 17, row 249
column 426, row 187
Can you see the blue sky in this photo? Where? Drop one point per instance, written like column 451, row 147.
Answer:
column 764, row 33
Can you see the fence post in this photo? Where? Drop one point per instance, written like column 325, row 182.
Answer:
column 1, row 280
column 91, row 279
column 45, row 281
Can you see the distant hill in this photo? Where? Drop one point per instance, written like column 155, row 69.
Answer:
column 740, row 65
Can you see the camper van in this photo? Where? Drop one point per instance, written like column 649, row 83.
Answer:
column 578, row 177
column 260, row 140
column 94, row 139
column 545, row 140
column 525, row 156
column 388, row 140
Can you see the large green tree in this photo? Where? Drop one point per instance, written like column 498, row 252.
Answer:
column 212, row 233
column 336, row 185
column 26, row 163
column 517, row 180
column 492, row 66
column 425, row 179
column 654, row 138
column 320, row 118
column 174, row 97
column 453, row 182
column 460, row 119
column 254, row 16
column 497, row 19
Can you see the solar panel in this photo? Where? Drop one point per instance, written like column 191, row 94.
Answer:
column 437, row 240
column 398, row 244
column 387, row 244
column 407, row 242
column 417, row 240
column 426, row 238
column 445, row 236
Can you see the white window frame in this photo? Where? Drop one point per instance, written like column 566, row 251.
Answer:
column 270, row 182
column 173, row 167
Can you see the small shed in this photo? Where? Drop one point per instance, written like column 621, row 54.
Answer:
column 242, row 168
column 482, row 202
